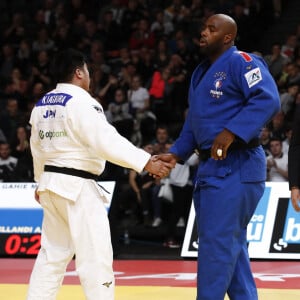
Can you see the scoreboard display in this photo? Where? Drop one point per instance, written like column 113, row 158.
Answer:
column 21, row 218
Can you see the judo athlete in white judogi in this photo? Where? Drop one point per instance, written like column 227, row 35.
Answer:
column 70, row 142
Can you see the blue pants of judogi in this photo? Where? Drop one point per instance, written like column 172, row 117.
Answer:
column 224, row 206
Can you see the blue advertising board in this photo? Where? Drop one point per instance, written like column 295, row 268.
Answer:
column 273, row 232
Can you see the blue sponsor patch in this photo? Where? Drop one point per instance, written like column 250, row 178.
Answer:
column 54, row 99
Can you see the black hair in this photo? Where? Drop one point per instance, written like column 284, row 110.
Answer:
column 276, row 138
column 65, row 64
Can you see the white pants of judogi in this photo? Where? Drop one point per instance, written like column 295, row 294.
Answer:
column 78, row 227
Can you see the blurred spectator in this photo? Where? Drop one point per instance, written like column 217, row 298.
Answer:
column 78, row 26
column 110, row 33
column 122, row 60
column 288, row 133
column 43, row 41
column 116, row 9
column 21, row 84
column 36, row 23
column 98, row 80
column 109, row 84
column 287, row 99
column 2, row 137
column 15, row 32
column 177, row 12
column 142, row 36
column 160, row 89
column 277, row 8
column 161, row 144
column 131, row 16
column 140, row 192
column 161, row 26
column 224, row 6
column 127, row 72
column 10, row 118
column 24, row 169
column 290, row 75
column 75, row 7
column 195, row 15
column 8, row 61
column 182, row 190
column 97, row 57
column 276, row 126
column 185, row 50
column 62, row 36
column 162, row 141
column 144, row 64
column 247, row 34
column 38, row 90
column 41, row 69
column 138, row 98
column 90, row 34
column 180, row 86
column 289, row 46
column 51, row 15
column 276, row 60
column 118, row 114
column 20, row 142
column 264, row 139
column 7, row 163
column 162, row 54
column 277, row 162
column 24, row 57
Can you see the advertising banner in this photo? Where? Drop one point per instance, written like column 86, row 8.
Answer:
column 273, row 232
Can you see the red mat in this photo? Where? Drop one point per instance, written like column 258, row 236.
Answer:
column 179, row 273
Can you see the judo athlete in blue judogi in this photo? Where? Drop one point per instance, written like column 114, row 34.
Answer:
column 232, row 96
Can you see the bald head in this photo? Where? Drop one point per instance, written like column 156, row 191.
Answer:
column 227, row 24
column 218, row 35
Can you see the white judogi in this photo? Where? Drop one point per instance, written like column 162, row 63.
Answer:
column 69, row 129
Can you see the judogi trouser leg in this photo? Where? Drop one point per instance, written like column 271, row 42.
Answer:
column 224, row 206
column 70, row 227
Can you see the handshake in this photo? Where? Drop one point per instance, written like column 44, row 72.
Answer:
column 160, row 166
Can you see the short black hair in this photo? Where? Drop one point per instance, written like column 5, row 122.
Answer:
column 65, row 63
column 275, row 138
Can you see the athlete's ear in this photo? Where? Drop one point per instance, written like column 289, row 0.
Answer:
column 228, row 38
column 79, row 73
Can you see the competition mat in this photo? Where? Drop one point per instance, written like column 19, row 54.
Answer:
column 154, row 279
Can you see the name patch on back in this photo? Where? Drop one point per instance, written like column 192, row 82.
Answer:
column 54, row 99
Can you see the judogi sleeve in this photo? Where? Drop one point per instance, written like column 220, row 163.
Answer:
column 87, row 120
column 252, row 78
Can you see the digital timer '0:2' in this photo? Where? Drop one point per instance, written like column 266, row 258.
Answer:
column 20, row 244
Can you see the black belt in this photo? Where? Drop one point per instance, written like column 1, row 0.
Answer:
column 71, row 171
column 238, row 144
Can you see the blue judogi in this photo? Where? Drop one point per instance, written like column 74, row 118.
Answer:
column 236, row 92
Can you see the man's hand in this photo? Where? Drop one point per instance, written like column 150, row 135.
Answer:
column 161, row 165
column 295, row 196
column 221, row 144
column 168, row 157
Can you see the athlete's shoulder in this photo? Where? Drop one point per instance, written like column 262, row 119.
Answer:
column 248, row 59
column 242, row 57
column 249, row 66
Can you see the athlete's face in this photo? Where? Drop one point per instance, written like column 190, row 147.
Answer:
column 212, row 37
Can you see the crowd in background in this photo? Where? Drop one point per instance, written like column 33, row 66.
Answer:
column 141, row 55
